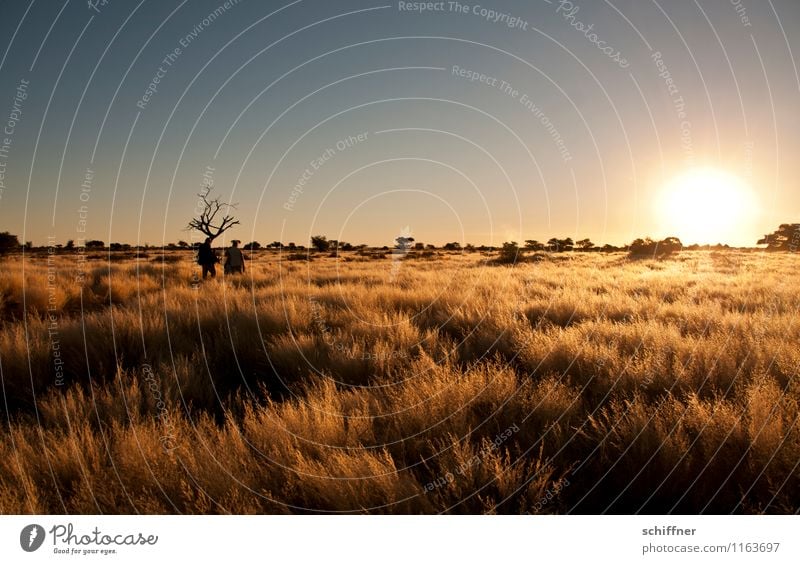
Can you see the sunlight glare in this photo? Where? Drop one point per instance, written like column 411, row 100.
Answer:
column 705, row 205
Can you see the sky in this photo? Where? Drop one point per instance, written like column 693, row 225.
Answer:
column 364, row 120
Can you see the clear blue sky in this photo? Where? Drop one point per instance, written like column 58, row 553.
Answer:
column 260, row 90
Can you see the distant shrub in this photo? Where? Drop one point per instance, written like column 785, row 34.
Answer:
column 121, row 256
column 537, row 257
column 8, row 242
column 647, row 247
column 509, row 253
column 426, row 255
column 320, row 243
column 168, row 258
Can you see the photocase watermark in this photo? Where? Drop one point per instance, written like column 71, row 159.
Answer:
column 320, row 161
column 53, row 321
column 206, row 184
column 15, row 113
column 564, row 8
column 196, row 237
column 31, row 537
column 492, row 16
column 168, row 439
column 206, row 22
column 84, row 196
column 168, row 60
column 66, row 540
column 97, row 5
column 549, row 495
column 679, row 104
column 382, row 355
column 488, row 14
column 741, row 11
column 319, row 322
column 524, row 100
column 475, row 460
column 172, row 57
column 794, row 243
column 568, row 10
column 10, row 126
column 80, row 261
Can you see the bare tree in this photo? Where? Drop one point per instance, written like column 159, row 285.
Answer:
column 209, row 222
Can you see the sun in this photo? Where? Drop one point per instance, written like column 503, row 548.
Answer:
column 705, row 205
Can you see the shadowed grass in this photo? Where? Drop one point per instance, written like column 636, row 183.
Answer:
column 437, row 385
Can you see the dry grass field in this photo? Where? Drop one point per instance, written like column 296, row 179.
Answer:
column 581, row 383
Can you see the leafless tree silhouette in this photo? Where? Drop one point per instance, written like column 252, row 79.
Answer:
column 208, row 222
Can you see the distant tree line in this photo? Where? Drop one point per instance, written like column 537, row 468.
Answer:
column 511, row 252
column 785, row 238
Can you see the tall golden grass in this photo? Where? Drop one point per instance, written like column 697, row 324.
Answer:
column 583, row 383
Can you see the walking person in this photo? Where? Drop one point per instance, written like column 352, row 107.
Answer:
column 207, row 258
column 234, row 261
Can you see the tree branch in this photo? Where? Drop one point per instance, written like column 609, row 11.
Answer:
column 207, row 223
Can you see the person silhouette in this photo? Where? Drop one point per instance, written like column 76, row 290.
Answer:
column 207, row 258
column 234, row 261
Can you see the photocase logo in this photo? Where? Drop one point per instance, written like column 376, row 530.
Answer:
column 31, row 537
